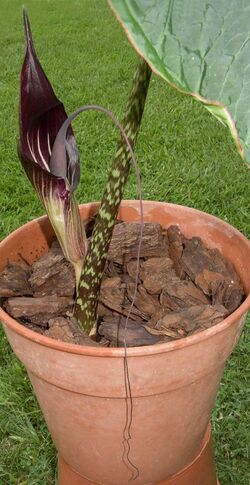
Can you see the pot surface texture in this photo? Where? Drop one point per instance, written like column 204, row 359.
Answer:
column 81, row 390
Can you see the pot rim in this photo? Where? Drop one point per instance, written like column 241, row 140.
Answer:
column 130, row 351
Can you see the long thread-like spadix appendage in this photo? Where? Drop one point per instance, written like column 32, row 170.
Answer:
column 89, row 286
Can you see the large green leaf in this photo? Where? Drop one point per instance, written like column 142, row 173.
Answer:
column 200, row 47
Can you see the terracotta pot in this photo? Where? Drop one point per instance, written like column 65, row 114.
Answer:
column 81, row 389
column 201, row 471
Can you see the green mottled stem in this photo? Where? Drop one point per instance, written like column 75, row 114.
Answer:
column 88, row 290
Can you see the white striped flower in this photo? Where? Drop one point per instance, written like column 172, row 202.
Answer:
column 41, row 115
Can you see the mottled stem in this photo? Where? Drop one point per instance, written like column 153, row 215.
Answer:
column 89, row 286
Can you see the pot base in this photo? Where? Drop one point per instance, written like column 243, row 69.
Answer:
column 201, row 471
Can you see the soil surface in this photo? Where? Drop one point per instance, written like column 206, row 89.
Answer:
column 178, row 287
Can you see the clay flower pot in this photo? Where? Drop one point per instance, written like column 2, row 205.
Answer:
column 81, row 389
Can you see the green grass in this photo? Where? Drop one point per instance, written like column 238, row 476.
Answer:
column 185, row 156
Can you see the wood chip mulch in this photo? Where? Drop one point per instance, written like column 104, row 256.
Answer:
column 183, row 288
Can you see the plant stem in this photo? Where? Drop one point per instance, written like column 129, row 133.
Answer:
column 94, row 264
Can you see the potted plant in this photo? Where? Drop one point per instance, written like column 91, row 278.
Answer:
column 69, row 379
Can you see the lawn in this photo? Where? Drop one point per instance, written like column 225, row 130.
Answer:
column 185, row 156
